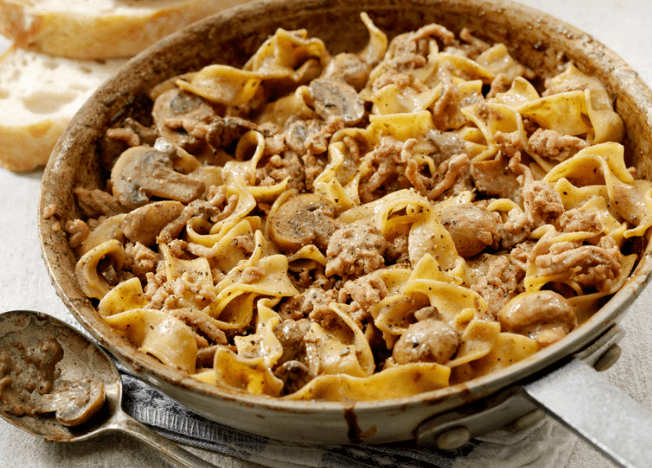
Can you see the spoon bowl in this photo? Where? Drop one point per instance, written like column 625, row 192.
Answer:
column 82, row 359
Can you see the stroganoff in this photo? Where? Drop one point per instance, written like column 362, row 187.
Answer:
column 317, row 227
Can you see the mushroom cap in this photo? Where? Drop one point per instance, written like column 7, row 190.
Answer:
column 335, row 98
column 426, row 341
column 545, row 316
column 302, row 220
column 84, row 399
column 471, row 228
column 186, row 109
column 142, row 172
column 145, row 223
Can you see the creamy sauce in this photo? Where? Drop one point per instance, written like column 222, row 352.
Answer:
column 29, row 385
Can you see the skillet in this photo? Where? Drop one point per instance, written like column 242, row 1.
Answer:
column 557, row 378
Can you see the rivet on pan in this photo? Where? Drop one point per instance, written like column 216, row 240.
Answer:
column 453, row 438
column 528, row 420
column 608, row 359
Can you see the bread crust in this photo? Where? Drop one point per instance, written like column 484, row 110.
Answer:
column 128, row 29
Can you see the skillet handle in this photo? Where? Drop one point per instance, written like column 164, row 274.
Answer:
column 604, row 415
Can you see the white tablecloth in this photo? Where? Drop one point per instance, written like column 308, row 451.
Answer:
column 623, row 25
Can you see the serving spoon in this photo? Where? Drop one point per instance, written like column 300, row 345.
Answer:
column 82, row 359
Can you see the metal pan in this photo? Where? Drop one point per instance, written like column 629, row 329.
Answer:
column 447, row 417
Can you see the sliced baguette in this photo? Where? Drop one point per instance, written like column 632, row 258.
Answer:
column 96, row 29
column 39, row 94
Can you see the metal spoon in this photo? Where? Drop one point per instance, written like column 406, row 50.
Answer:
column 82, row 359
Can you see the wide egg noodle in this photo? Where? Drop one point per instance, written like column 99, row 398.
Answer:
column 273, row 280
column 308, row 253
column 288, row 56
column 492, row 118
column 246, row 203
column 378, row 212
column 644, row 221
column 328, row 185
column 604, row 164
column 157, row 333
column 448, row 297
column 92, row 283
column 221, row 254
column 376, row 47
column 287, row 109
column 244, row 166
column 127, row 295
column 237, row 314
column 222, row 84
column 497, row 61
column 401, row 126
column 395, row 313
column 420, row 73
column 248, row 153
column 250, row 368
column 521, row 92
column 478, row 339
column 393, row 382
column 573, row 196
column 561, row 112
column 339, row 347
column 427, row 236
column 468, row 93
column 465, row 68
column 607, row 124
column 392, row 99
column 508, row 349
column 194, row 276
column 535, row 277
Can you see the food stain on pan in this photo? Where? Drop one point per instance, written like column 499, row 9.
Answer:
column 354, row 432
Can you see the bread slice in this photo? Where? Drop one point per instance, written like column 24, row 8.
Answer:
column 39, row 94
column 95, row 29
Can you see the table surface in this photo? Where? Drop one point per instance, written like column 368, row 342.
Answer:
column 622, row 25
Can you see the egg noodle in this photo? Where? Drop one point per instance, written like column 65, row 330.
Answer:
column 361, row 226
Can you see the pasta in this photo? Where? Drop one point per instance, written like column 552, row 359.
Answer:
column 361, row 226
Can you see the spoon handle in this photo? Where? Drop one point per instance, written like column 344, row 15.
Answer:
column 167, row 448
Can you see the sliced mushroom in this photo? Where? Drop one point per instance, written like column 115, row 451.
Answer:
column 177, row 114
column 302, row 220
column 349, row 68
column 223, row 131
column 142, row 172
column 108, row 228
column 426, row 341
column 75, row 402
column 471, row 228
column 145, row 223
column 544, row 316
column 335, row 98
